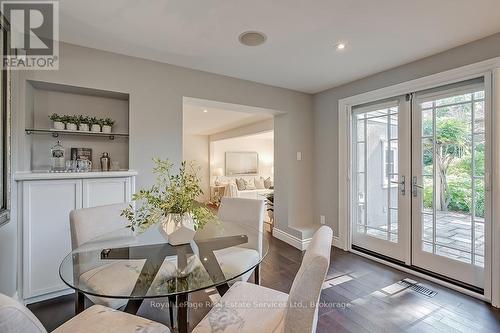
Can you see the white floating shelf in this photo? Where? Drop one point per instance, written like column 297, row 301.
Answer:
column 55, row 133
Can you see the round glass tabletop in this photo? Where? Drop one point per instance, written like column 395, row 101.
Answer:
column 124, row 264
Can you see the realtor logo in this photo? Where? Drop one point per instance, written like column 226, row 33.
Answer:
column 34, row 34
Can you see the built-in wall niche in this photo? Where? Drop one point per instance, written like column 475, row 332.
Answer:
column 44, row 99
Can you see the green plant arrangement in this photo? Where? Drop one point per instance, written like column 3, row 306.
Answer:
column 108, row 122
column 84, row 119
column 173, row 194
column 93, row 121
column 65, row 119
column 55, row 117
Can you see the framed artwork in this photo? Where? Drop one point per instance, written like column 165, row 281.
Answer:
column 242, row 163
column 81, row 154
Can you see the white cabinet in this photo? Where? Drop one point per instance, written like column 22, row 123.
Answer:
column 46, row 235
column 46, row 240
column 106, row 191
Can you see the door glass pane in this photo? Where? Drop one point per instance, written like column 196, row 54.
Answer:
column 377, row 177
column 427, row 124
column 376, row 152
column 452, row 146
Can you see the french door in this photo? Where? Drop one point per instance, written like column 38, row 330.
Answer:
column 420, row 192
column 381, row 169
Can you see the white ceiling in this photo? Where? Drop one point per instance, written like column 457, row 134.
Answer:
column 299, row 53
column 216, row 120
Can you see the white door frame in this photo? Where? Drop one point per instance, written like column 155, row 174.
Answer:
column 492, row 262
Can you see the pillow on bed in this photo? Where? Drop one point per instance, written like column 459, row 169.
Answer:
column 268, row 183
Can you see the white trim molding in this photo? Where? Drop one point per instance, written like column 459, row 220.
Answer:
column 337, row 242
column 484, row 68
column 296, row 242
column 301, row 244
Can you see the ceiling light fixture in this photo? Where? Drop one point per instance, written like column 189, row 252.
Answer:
column 340, row 46
column 205, row 111
column 252, row 38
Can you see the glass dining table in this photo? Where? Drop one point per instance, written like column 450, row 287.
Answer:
column 142, row 265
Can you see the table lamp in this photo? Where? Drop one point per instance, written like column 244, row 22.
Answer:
column 217, row 173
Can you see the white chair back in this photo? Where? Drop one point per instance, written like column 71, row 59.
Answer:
column 16, row 318
column 88, row 223
column 300, row 316
column 249, row 212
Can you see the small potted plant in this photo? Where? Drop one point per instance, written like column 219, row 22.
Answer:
column 107, row 125
column 171, row 201
column 71, row 123
column 95, row 126
column 83, row 123
column 57, row 122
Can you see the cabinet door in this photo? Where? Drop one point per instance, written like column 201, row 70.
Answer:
column 46, row 234
column 106, row 191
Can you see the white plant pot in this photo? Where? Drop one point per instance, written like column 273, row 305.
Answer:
column 59, row 125
column 106, row 129
column 179, row 229
column 84, row 127
column 96, row 128
column 71, row 127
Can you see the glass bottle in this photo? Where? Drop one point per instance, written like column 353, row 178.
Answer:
column 57, row 157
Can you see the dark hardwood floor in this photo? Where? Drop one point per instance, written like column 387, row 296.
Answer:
column 359, row 295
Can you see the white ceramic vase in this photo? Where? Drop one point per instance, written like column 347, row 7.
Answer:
column 84, row 127
column 96, row 128
column 59, row 125
column 71, row 127
column 179, row 228
column 106, row 129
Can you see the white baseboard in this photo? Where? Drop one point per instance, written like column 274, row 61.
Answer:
column 302, row 244
column 16, row 297
column 296, row 242
column 44, row 297
column 337, row 242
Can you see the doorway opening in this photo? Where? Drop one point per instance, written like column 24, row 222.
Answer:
column 234, row 147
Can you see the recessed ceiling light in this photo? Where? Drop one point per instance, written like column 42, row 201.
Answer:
column 340, row 46
column 205, row 111
column 252, row 38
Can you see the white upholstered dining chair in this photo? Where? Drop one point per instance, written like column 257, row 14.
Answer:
column 89, row 223
column 249, row 308
column 248, row 212
column 16, row 318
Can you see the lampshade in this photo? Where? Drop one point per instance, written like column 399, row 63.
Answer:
column 217, row 172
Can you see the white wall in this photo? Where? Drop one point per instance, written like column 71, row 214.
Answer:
column 156, row 96
column 196, row 149
column 264, row 147
column 326, row 114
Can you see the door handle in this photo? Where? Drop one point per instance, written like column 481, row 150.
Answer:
column 401, row 185
column 415, row 186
